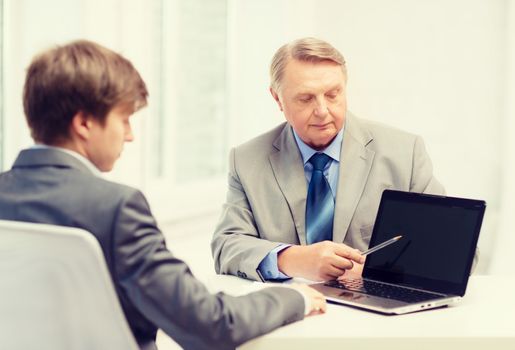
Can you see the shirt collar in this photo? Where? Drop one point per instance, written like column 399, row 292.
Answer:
column 333, row 150
column 74, row 154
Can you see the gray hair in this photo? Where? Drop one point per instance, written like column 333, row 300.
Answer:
column 307, row 50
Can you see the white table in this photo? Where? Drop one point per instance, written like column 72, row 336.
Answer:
column 484, row 319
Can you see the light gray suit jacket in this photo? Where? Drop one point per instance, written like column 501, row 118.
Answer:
column 156, row 290
column 266, row 200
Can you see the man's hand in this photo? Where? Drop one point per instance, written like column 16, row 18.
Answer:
column 321, row 261
column 315, row 300
column 355, row 272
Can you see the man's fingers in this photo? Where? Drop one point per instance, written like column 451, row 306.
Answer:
column 317, row 301
column 349, row 253
column 319, row 305
column 341, row 263
column 332, row 273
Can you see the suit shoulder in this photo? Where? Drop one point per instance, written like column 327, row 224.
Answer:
column 262, row 144
column 379, row 129
column 381, row 134
column 108, row 188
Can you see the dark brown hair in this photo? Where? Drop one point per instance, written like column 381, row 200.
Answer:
column 81, row 76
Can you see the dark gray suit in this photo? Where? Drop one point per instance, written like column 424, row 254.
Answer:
column 156, row 289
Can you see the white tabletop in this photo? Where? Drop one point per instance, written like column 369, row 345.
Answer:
column 484, row 319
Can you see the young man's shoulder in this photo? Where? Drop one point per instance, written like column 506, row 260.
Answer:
column 98, row 186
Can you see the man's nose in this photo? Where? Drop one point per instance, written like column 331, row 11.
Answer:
column 321, row 109
column 129, row 136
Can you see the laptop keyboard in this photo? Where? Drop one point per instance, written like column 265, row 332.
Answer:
column 383, row 290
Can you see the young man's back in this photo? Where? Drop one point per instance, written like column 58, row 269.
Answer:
column 155, row 289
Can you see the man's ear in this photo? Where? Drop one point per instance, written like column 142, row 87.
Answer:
column 276, row 98
column 81, row 125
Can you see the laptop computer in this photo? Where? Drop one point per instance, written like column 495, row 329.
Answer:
column 427, row 268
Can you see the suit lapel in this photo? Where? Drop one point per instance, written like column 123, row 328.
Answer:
column 355, row 164
column 289, row 172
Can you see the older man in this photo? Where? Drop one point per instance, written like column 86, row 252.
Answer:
column 303, row 197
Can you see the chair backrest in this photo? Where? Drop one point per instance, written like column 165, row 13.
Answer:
column 56, row 292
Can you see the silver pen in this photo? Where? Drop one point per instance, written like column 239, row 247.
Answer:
column 382, row 245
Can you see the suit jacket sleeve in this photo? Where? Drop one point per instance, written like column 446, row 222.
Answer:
column 422, row 179
column 236, row 246
column 163, row 289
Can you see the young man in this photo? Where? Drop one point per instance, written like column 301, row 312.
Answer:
column 302, row 198
column 78, row 101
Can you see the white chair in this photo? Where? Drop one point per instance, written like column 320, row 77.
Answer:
column 56, row 292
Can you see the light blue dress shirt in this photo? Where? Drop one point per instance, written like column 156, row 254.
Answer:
column 268, row 267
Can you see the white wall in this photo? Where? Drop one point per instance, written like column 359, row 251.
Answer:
column 258, row 29
column 502, row 262
column 443, row 69
column 32, row 26
column 435, row 68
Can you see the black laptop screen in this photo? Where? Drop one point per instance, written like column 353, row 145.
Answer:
column 439, row 237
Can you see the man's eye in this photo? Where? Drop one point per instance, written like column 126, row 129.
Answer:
column 305, row 99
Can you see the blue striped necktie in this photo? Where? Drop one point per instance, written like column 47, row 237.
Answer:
column 320, row 203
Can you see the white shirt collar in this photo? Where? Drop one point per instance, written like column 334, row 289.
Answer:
column 78, row 156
